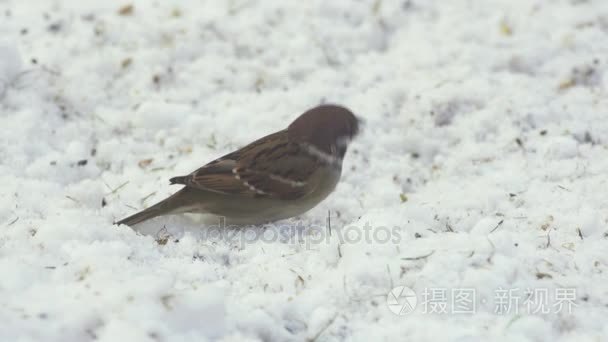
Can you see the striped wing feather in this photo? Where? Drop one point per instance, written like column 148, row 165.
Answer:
column 271, row 167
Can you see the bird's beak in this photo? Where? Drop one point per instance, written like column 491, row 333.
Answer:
column 360, row 124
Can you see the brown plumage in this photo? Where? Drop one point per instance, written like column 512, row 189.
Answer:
column 278, row 176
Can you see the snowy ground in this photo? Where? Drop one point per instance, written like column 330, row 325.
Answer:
column 483, row 163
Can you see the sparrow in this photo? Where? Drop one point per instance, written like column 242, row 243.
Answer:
column 279, row 176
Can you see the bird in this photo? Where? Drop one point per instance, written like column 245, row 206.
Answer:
column 279, row 176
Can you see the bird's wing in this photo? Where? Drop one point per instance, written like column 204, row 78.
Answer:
column 271, row 167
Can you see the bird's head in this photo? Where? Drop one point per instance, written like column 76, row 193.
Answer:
column 328, row 128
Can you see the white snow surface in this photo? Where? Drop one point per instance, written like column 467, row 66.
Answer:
column 484, row 154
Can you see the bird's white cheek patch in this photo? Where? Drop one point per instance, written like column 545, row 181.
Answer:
column 326, row 157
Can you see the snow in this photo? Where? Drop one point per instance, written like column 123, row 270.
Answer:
column 483, row 160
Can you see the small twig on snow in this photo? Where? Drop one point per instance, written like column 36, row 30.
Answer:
column 498, row 225
column 420, row 257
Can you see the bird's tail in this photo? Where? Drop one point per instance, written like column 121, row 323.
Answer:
column 139, row 217
column 164, row 207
